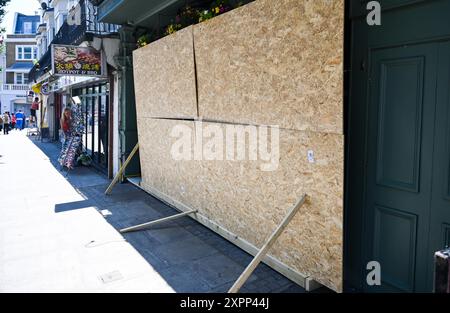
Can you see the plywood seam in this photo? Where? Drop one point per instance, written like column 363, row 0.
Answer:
column 213, row 121
column 195, row 73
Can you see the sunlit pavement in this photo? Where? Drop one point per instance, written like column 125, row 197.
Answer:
column 43, row 250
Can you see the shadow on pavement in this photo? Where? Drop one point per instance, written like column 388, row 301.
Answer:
column 190, row 257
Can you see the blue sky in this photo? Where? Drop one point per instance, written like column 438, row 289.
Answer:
column 22, row 6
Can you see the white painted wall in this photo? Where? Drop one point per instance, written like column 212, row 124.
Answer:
column 7, row 101
column 61, row 11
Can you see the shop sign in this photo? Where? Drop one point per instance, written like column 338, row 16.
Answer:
column 77, row 61
column 45, row 89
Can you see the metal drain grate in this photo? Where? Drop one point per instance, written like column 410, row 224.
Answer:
column 111, row 277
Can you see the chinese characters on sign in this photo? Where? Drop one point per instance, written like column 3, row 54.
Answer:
column 79, row 61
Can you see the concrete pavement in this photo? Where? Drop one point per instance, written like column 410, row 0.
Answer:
column 44, row 249
column 59, row 234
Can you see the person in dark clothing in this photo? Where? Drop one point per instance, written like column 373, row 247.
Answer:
column 24, row 121
column 6, row 121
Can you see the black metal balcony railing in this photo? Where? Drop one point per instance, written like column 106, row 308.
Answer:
column 75, row 35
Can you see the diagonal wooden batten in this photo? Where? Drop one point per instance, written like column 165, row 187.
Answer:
column 120, row 172
column 261, row 254
column 162, row 220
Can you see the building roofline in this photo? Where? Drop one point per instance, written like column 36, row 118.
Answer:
column 15, row 22
column 20, row 39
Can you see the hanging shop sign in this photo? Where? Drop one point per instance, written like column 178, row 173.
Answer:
column 77, row 61
column 36, row 88
column 45, row 89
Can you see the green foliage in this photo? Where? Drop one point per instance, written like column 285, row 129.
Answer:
column 189, row 15
column 173, row 28
column 143, row 40
column 216, row 8
column 3, row 3
column 84, row 159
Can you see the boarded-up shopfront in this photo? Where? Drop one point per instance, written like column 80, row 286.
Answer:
column 261, row 64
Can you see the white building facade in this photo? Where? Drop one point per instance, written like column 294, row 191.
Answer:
column 19, row 55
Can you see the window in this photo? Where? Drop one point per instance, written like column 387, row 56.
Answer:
column 27, row 53
column 21, row 78
column 27, row 27
column 60, row 20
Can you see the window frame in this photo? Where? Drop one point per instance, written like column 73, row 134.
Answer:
column 22, row 75
column 21, row 56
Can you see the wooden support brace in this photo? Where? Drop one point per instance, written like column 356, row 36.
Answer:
column 120, row 172
column 260, row 256
column 162, row 220
column 311, row 284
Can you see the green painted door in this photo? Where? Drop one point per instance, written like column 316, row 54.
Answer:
column 400, row 160
column 398, row 176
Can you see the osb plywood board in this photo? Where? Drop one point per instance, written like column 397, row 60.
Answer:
column 164, row 77
column 250, row 203
column 274, row 63
column 158, row 169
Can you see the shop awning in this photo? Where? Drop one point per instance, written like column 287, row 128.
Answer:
column 20, row 67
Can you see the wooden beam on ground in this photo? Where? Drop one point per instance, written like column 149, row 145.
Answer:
column 162, row 220
column 120, row 172
column 312, row 285
column 261, row 254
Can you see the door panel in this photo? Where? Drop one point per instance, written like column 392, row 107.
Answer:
column 402, row 99
column 400, row 123
column 395, row 239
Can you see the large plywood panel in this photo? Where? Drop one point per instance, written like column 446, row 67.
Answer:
column 249, row 202
column 274, row 63
column 164, row 76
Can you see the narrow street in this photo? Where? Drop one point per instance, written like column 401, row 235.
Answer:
column 59, row 234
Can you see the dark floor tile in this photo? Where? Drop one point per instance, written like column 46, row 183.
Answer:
column 218, row 270
column 183, row 281
column 186, row 250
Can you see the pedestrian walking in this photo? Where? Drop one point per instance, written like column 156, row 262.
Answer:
column 24, row 124
column 6, row 123
column 34, row 108
column 20, row 119
column 13, row 121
